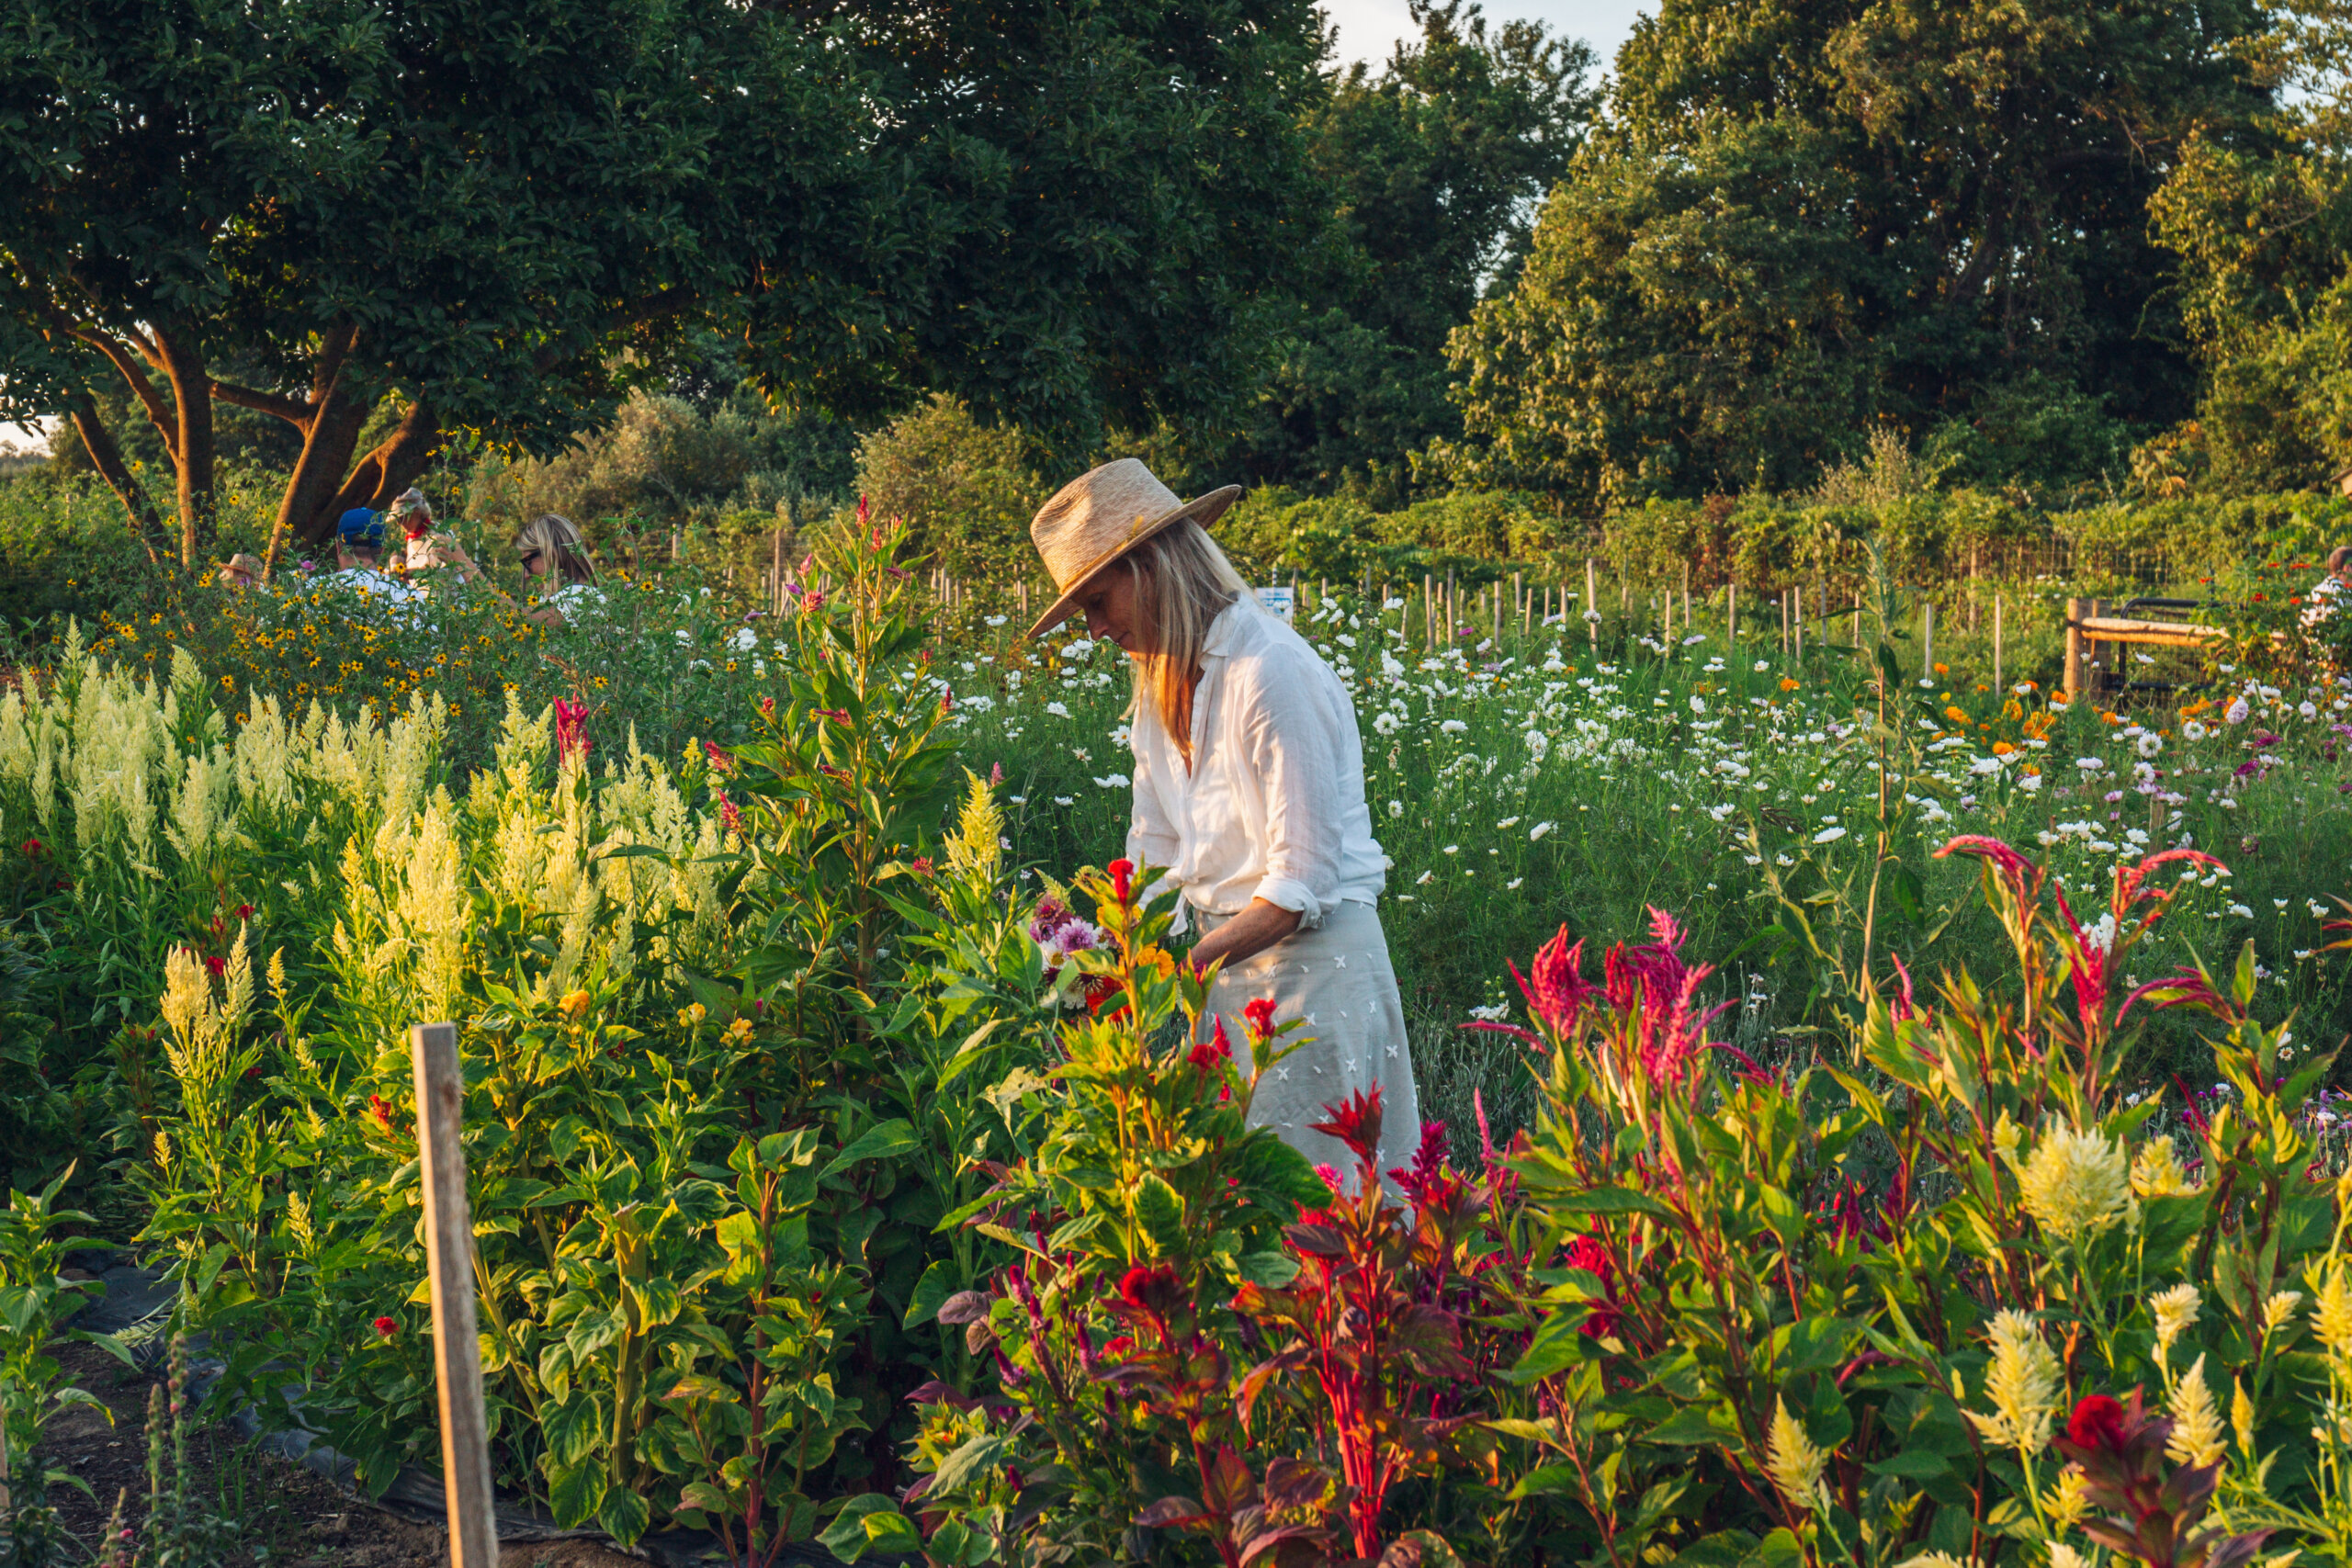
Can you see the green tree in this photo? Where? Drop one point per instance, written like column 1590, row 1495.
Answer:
column 500, row 216
column 2262, row 224
column 1436, row 165
column 1796, row 222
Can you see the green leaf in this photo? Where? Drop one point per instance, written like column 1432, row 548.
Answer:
column 1911, row 1465
column 896, row 1136
column 575, row 1492
column 870, row 1523
column 977, row 1456
column 624, row 1516
column 1548, row 1480
column 1159, row 1210
column 1694, row 1426
column 573, row 1429
column 938, row 1282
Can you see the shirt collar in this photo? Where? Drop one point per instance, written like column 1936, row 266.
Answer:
column 1224, row 630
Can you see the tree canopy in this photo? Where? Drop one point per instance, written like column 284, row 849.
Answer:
column 498, row 215
column 1796, row 223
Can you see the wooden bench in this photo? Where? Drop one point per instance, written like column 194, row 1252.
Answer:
column 2090, row 623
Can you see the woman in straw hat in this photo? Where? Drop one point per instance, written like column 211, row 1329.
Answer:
column 1248, row 787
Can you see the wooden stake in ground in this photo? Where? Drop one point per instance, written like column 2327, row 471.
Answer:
column 1998, row 687
column 449, row 1252
column 1592, row 603
column 1796, row 621
column 1731, row 615
column 2077, row 658
column 1928, row 641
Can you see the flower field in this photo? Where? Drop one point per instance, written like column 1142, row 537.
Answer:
column 1916, row 1148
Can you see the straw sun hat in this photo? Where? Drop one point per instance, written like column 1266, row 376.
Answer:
column 1100, row 516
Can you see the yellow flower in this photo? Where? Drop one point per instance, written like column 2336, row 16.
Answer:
column 2195, row 1425
column 739, row 1032
column 2068, row 1503
column 2064, row 1556
column 2242, row 1417
column 2333, row 1314
column 2278, row 1309
column 2022, row 1383
column 1794, row 1460
column 575, row 1004
column 2155, row 1171
column 2076, row 1184
column 2176, row 1310
column 691, row 1014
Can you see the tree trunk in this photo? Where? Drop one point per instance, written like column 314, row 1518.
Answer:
column 183, row 358
column 105, row 455
column 390, row 468
column 309, row 507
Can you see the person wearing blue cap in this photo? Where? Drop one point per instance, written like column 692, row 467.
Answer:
column 359, row 544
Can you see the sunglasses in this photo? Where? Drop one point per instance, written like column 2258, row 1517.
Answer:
column 528, row 556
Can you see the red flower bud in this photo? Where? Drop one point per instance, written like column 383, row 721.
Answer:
column 387, row 1326
column 1122, row 879
column 1261, row 1016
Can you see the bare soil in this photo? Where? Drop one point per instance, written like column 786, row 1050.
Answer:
column 287, row 1514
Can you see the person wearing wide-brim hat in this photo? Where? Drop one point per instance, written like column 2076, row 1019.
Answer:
column 1248, row 787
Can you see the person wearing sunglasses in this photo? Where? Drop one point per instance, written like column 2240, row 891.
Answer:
column 551, row 550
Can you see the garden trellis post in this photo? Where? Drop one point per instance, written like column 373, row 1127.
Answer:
column 1996, row 645
column 448, row 1252
column 1592, row 603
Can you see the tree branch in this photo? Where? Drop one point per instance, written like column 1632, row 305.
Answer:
column 146, row 524
column 293, row 411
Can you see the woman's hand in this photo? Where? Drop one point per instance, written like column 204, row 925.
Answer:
column 1245, row 935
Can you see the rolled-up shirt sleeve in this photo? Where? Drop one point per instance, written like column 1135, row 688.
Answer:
column 1294, row 745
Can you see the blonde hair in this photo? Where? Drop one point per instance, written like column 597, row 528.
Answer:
column 1182, row 583
column 559, row 541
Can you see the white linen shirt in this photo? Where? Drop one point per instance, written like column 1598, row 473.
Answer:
column 1272, row 806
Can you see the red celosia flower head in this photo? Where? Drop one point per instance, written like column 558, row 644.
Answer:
column 1123, row 874
column 1152, row 1287
column 1215, row 1050
column 1556, row 989
column 1260, row 1015
column 2097, row 1422
column 244, row 912
column 1355, row 1121
column 570, row 728
column 31, row 848
column 218, row 964
column 387, row 1326
column 720, row 759
column 382, row 1108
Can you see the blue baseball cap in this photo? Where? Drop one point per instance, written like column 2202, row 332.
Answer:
column 361, row 527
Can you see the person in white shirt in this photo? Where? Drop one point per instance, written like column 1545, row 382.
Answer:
column 1249, row 791
column 359, row 543
column 550, row 548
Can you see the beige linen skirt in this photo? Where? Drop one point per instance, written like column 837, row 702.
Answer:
column 1339, row 979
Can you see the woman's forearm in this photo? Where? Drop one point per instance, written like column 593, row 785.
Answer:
column 1245, row 935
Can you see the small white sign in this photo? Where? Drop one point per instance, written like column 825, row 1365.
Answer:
column 1277, row 601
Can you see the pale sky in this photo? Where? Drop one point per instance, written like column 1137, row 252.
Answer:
column 1369, row 29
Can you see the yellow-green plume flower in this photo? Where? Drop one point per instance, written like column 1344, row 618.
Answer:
column 1937, row 1560
column 2075, row 1183
column 2278, row 1309
column 2331, row 1316
column 2196, row 1423
column 2156, row 1170
column 2067, row 1504
column 2242, row 1418
column 2007, row 1138
column 1794, row 1460
column 2064, row 1556
column 2176, row 1310
column 2022, row 1383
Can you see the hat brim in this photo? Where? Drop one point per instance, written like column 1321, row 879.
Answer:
column 1204, row 510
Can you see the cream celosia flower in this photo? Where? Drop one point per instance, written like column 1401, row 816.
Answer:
column 2068, row 1503
column 2007, row 1138
column 2242, row 1418
column 2278, row 1309
column 2064, row 1556
column 2196, row 1423
column 163, row 1149
column 2176, row 1310
column 2331, row 1316
column 298, row 1221
column 2075, row 1183
column 1794, row 1460
column 2022, row 1383
column 2156, row 1170
column 1937, row 1560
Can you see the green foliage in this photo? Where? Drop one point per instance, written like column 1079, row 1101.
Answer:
column 36, row 1303
column 369, row 225
column 1796, row 223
